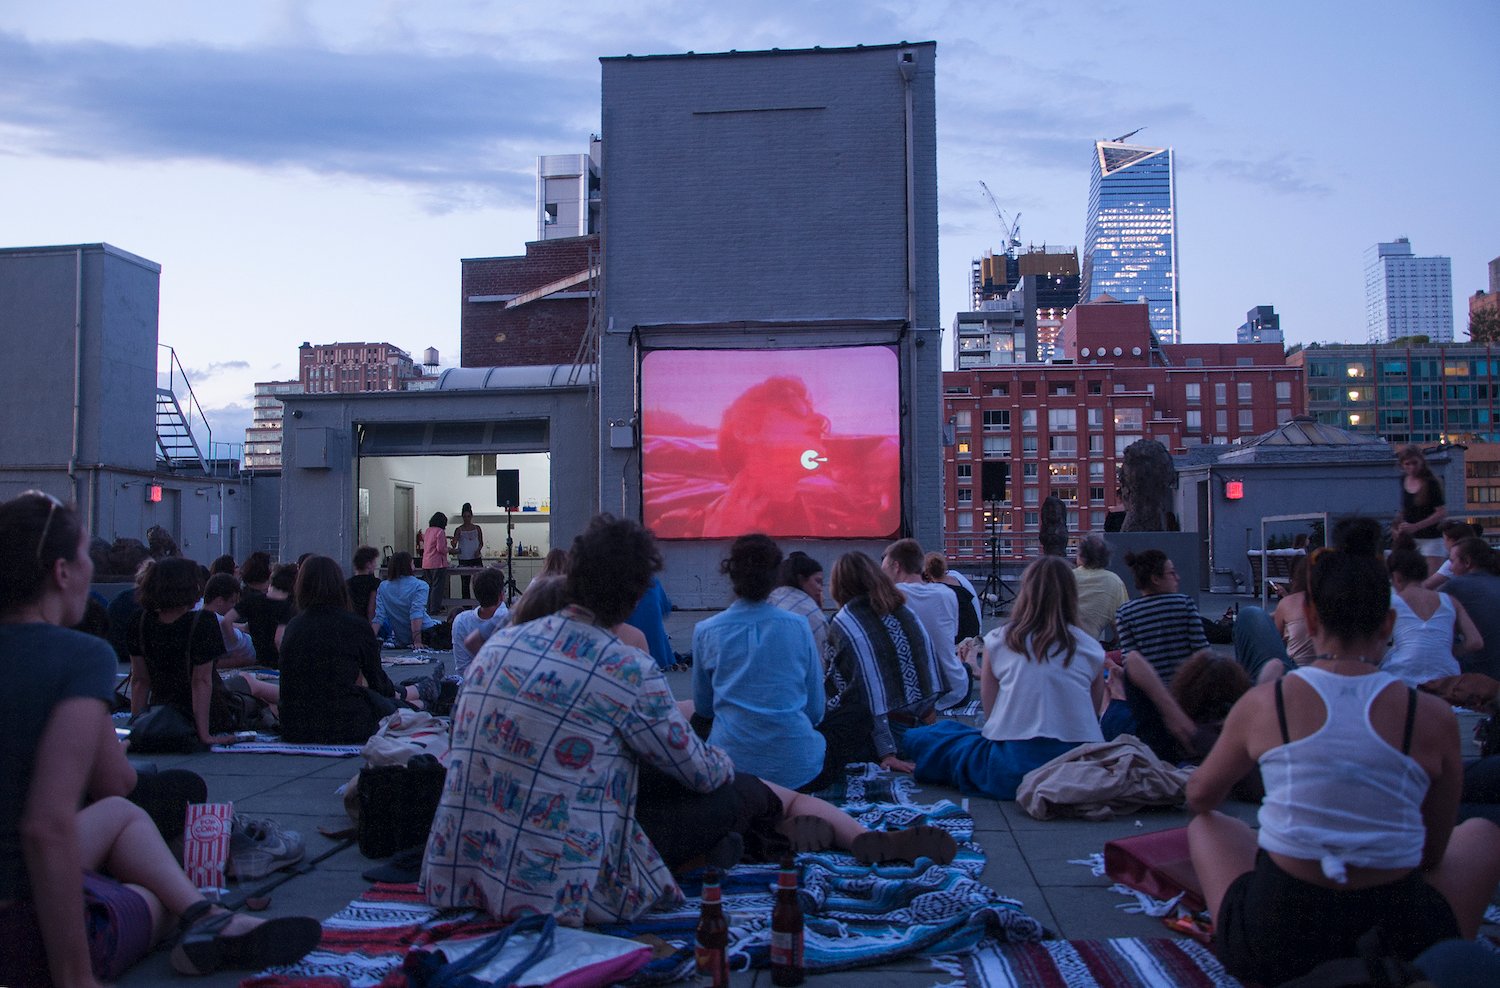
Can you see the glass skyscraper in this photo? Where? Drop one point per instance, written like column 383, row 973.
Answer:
column 1130, row 237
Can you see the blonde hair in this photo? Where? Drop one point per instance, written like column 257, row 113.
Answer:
column 1045, row 606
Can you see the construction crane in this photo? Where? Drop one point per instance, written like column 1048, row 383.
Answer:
column 1123, row 139
column 1010, row 228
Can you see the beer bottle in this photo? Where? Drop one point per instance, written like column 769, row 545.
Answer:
column 786, row 929
column 713, row 934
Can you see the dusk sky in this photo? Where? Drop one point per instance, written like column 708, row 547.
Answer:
column 315, row 170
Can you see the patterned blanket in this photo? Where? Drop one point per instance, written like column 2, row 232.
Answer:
column 857, row 915
column 1122, row 963
column 269, row 744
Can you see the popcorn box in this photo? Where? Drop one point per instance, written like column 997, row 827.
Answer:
column 205, row 844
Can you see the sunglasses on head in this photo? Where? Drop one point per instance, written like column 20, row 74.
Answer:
column 52, row 505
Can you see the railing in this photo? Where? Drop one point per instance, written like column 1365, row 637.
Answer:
column 174, row 371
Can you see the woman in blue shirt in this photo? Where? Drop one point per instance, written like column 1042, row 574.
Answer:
column 401, row 606
column 758, row 675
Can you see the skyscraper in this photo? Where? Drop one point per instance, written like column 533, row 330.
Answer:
column 1406, row 295
column 1130, row 236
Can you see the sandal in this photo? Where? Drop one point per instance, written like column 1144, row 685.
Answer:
column 809, row 833
column 881, row 846
column 205, row 948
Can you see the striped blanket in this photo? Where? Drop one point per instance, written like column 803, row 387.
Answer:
column 1122, row 963
column 857, row 916
column 270, row 744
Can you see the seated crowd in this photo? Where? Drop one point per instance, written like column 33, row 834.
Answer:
column 592, row 823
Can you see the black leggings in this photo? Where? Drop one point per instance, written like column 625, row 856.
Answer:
column 165, row 797
column 684, row 825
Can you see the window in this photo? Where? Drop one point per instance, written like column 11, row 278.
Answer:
column 1096, row 418
column 1031, row 519
column 1029, row 471
column 1129, row 419
column 1062, row 419
column 1096, row 470
column 1096, row 495
column 481, row 464
column 963, row 421
column 1063, row 445
column 1121, row 442
column 996, row 419
column 964, row 521
column 1068, row 495
column 1063, row 473
column 1028, row 446
column 1194, row 392
column 1030, row 496
column 966, row 473
column 1063, row 390
column 1096, row 387
column 1245, row 392
column 1247, row 420
column 1028, row 387
column 549, row 214
column 1000, row 391
column 965, row 495
column 996, row 447
column 963, row 448
column 1028, row 418
column 1283, row 391
column 1096, row 443
column 1221, row 421
column 1220, row 393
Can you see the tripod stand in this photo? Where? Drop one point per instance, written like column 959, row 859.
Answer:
column 511, row 591
column 995, row 591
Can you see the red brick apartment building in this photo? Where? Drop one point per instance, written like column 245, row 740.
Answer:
column 1062, row 427
column 527, row 310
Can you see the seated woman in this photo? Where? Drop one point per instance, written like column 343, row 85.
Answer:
column 883, row 677
column 59, row 749
column 401, row 608
column 1425, row 643
column 173, row 649
column 265, row 608
column 1362, row 778
column 758, row 677
column 220, row 595
column 333, row 688
column 935, row 570
column 557, row 721
column 800, row 591
column 1040, row 682
column 1290, row 617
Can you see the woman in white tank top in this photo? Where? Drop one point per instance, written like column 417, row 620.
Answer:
column 1432, row 629
column 1362, row 783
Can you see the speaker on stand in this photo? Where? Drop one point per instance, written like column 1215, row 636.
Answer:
column 994, row 478
column 508, row 496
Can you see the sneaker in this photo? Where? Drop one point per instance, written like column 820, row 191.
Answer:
column 258, row 847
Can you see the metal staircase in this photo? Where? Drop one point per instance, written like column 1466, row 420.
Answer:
column 176, row 444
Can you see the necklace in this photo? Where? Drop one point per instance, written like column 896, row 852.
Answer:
column 1348, row 658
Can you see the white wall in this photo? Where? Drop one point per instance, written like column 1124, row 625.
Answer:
column 442, row 483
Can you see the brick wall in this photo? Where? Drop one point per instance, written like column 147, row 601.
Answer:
column 546, row 331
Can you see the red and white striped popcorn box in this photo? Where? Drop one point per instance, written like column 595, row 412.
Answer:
column 205, row 844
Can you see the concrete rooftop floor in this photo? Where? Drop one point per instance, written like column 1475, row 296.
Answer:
column 1026, row 859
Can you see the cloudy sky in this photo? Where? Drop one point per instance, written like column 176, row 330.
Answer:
column 315, row 169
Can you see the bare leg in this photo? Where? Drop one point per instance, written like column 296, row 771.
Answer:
column 1222, row 849
column 850, row 835
column 795, row 804
column 267, row 693
column 1469, row 872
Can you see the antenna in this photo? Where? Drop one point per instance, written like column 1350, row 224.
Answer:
column 1010, row 228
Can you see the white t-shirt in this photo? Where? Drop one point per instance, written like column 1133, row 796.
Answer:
column 468, row 622
column 1043, row 699
column 936, row 606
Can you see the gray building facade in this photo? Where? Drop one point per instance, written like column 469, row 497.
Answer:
column 773, row 201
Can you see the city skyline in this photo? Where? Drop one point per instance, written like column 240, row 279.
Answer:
column 315, row 171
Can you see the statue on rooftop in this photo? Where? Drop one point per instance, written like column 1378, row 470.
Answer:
column 1054, row 533
column 1146, row 481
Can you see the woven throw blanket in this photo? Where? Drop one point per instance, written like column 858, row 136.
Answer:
column 1121, row 963
column 857, row 916
column 270, row 744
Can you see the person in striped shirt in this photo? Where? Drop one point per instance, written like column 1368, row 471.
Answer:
column 1158, row 631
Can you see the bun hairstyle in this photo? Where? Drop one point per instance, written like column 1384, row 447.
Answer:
column 796, row 567
column 1347, row 586
column 752, row 566
column 1147, row 566
column 1360, row 536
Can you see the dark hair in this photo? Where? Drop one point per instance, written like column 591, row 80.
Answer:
column 1147, row 565
column 1093, row 552
column 1411, row 451
column 438, row 520
column 35, row 532
column 555, row 564
column 256, row 569
column 1453, row 530
column 546, row 595
column 365, row 555
column 906, row 554
column 399, row 566
column 613, row 562
column 466, row 509
column 1358, row 535
column 752, row 566
column 125, row 556
column 855, row 575
column 284, row 577
column 1045, row 607
column 170, row 583
column 95, row 620
column 1299, row 576
column 222, row 564
column 1349, row 592
column 1477, row 553
column 796, row 567
column 220, row 586
column 488, row 586
column 320, row 583
column 1408, row 563
column 1206, row 686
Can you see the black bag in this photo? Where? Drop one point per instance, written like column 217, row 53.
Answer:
column 397, row 804
column 164, row 729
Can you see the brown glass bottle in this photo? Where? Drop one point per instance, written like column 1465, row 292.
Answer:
column 786, row 929
column 713, row 934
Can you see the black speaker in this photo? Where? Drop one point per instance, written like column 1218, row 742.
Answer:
column 993, row 475
column 508, row 488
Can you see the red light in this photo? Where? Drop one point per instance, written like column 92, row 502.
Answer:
column 1234, row 490
column 153, row 493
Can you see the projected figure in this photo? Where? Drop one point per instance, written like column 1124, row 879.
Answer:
column 770, row 440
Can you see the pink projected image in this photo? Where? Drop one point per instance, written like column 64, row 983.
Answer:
column 792, row 443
